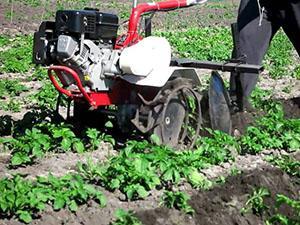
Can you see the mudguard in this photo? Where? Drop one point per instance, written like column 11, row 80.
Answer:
column 147, row 63
column 219, row 101
column 159, row 78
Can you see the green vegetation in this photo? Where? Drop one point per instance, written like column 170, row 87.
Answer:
column 272, row 131
column 125, row 218
column 218, row 148
column 25, row 199
column 47, row 137
column 177, row 200
column 278, row 59
column 11, row 87
column 256, row 201
column 141, row 167
column 205, row 43
column 33, row 3
column 257, row 204
column 215, row 43
column 287, row 164
column 278, row 218
column 209, row 43
column 17, row 58
column 11, row 105
column 46, row 97
column 4, row 40
column 8, row 90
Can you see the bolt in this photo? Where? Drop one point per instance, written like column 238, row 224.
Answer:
column 167, row 120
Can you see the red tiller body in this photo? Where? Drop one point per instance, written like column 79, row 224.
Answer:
column 104, row 98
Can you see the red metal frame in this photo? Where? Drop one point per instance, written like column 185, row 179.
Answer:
column 132, row 35
column 96, row 99
column 68, row 71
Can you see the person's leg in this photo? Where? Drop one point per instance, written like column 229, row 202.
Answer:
column 253, row 40
column 291, row 23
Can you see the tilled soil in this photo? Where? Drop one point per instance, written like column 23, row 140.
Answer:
column 223, row 204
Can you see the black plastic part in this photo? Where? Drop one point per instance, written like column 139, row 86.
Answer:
column 230, row 66
column 40, row 41
column 148, row 27
column 91, row 22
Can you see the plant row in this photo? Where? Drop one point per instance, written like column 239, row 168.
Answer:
column 47, row 137
column 26, row 199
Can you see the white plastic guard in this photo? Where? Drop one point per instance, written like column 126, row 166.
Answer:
column 149, row 55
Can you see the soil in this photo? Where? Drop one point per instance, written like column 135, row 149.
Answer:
column 222, row 204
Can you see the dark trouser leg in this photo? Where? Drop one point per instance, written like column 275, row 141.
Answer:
column 254, row 41
column 291, row 23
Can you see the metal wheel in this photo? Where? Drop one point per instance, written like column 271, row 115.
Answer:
column 219, row 111
column 180, row 119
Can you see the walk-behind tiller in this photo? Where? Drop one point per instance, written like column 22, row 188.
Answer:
column 132, row 77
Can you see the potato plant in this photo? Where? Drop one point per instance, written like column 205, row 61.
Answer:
column 25, row 199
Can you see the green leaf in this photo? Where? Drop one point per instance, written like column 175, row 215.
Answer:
column 19, row 159
column 66, row 144
column 130, row 192
column 102, row 199
column 115, row 184
column 79, row 147
column 294, row 144
column 24, row 216
column 109, row 124
column 59, row 203
column 142, row 192
column 155, row 139
column 168, row 175
column 73, row 206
